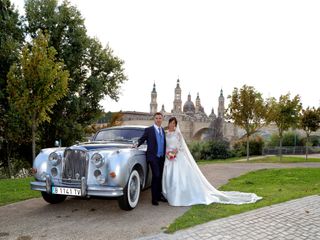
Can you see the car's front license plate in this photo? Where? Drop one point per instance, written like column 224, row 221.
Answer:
column 66, row 191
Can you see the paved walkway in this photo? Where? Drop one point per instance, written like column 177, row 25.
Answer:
column 314, row 155
column 296, row 219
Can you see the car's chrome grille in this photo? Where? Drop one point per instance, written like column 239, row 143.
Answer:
column 75, row 165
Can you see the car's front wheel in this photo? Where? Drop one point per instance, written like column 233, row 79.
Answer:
column 53, row 198
column 131, row 192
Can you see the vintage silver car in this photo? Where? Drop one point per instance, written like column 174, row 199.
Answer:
column 106, row 166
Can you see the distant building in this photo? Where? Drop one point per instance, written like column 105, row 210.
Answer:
column 193, row 121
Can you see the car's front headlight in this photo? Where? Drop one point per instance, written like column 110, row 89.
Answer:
column 97, row 159
column 55, row 158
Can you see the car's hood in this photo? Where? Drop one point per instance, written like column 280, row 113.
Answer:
column 104, row 146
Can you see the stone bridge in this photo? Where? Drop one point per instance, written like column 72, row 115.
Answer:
column 191, row 129
column 196, row 129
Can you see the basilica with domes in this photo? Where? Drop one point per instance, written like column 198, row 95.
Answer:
column 193, row 121
column 190, row 109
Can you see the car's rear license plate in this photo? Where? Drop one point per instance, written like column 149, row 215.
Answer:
column 66, row 191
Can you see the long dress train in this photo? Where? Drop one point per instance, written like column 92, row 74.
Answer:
column 183, row 184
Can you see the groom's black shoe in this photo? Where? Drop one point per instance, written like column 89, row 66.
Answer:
column 155, row 203
column 163, row 199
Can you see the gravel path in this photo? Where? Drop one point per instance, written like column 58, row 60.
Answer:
column 102, row 219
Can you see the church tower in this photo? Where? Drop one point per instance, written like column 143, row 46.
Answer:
column 153, row 104
column 198, row 104
column 177, row 103
column 221, row 105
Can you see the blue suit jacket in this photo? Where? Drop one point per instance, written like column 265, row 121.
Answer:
column 149, row 135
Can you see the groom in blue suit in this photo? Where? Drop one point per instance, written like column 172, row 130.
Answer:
column 156, row 151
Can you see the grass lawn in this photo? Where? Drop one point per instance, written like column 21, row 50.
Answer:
column 274, row 185
column 15, row 190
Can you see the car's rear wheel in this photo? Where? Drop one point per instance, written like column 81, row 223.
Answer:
column 131, row 192
column 53, row 198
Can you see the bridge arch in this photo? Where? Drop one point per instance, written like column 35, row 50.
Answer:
column 200, row 134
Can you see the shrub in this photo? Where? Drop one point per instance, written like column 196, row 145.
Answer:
column 256, row 144
column 195, row 149
column 289, row 139
column 215, row 149
column 313, row 141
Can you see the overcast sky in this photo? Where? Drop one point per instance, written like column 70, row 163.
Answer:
column 210, row 45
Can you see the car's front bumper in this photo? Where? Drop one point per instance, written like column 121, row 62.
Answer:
column 86, row 190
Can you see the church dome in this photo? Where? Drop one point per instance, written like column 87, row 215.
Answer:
column 189, row 107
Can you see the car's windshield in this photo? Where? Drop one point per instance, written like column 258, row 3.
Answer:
column 123, row 134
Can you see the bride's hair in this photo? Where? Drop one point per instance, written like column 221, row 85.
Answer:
column 173, row 119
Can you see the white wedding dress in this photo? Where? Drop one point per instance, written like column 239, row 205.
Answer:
column 183, row 184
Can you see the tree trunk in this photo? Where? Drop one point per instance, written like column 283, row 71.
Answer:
column 248, row 147
column 307, row 143
column 280, row 149
column 33, row 137
column 9, row 160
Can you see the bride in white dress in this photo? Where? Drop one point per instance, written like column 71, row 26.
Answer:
column 183, row 184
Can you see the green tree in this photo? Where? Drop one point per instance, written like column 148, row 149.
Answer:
column 116, row 119
column 248, row 110
column 36, row 83
column 11, row 38
column 310, row 122
column 94, row 70
column 285, row 114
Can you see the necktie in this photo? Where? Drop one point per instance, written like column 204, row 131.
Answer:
column 160, row 131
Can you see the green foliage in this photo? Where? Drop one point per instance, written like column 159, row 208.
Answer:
column 94, row 73
column 16, row 164
column 105, row 117
column 106, row 120
column 11, row 38
column 284, row 113
column 290, row 138
column 256, row 144
column 116, row 119
column 195, row 149
column 313, row 140
column 215, row 150
column 275, row 186
column 36, row 83
column 310, row 120
column 209, row 150
column 247, row 110
column 94, row 70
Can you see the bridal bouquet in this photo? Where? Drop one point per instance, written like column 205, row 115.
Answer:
column 171, row 155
